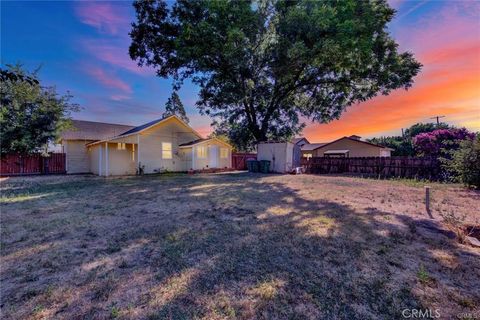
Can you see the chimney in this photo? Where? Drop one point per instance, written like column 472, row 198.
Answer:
column 355, row 137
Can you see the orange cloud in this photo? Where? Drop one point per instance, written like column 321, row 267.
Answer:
column 448, row 45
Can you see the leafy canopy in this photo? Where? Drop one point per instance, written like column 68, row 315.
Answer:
column 263, row 67
column 31, row 116
column 174, row 106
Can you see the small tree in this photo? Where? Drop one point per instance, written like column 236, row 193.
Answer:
column 464, row 162
column 31, row 116
column 174, row 106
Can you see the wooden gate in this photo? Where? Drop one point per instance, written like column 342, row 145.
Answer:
column 25, row 164
column 239, row 160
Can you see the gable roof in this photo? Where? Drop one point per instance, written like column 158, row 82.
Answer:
column 146, row 126
column 199, row 141
column 354, row 140
column 191, row 143
column 91, row 130
column 298, row 139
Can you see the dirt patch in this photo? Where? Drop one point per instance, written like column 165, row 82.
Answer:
column 232, row 246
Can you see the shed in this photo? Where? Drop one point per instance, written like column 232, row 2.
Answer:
column 283, row 156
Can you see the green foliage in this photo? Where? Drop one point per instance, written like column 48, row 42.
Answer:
column 403, row 146
column 174, row 106
column 263, row 66
column 418, row 128
column 464, row 162
column 31, row 116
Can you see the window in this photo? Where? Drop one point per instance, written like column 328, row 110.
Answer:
column 121, row 146
column 307, row 155
column 223, row 153
column 166, row 150
column 201, row 152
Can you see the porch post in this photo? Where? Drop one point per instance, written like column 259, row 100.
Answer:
column 100, row 160
column 138, row 150
column 106, row 159
column 193, row 157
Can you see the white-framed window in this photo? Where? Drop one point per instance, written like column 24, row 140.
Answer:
column 201, row 152
column 166, row 150
column 307, row 155
column 223, row 153
column 121, row 146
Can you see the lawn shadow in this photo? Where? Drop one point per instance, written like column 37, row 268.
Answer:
column 233, row 246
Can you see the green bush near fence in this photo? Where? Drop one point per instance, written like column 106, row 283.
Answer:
column 464, row 164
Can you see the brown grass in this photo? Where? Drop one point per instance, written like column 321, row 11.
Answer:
column 232, row 246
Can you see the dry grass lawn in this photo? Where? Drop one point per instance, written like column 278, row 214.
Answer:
column 232, row 246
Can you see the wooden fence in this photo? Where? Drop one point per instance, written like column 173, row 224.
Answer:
column 404, row 167
column 239, row 160
column 25, row 164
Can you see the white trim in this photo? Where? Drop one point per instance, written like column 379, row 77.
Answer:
column 138, row 150
column 193, row 157
column 100, row 161
column 106, row 159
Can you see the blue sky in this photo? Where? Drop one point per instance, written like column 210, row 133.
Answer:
column 83, row 47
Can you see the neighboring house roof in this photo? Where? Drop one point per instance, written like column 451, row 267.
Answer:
column 312, row 146
column 90, row 130
column 298, row 139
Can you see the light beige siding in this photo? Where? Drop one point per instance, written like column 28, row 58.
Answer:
column 213, row 157
column 356, row 149
column 150, row 146
column 121, row 162
column 77, row 158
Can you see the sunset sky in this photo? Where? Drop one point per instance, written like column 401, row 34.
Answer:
column 83, row 47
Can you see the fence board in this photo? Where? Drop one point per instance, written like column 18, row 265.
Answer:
column 239, row 160
column 25, row 164
column 405, row 167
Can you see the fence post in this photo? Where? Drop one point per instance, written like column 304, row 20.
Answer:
column 427, row 201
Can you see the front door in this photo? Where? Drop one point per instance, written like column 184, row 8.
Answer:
column 213, row 156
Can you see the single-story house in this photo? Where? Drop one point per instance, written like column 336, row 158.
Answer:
column 167, row 144
column 351, row 146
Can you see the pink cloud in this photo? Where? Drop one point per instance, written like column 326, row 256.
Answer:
column 115, row 55
column 108, row 80
column 104, row 16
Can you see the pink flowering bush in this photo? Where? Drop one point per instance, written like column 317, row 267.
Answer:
column 441, row 141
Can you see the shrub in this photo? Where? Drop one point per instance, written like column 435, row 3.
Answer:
column 439, row 142
column 464, row 162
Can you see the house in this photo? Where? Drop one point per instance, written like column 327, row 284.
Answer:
column 351, row 146
column 167, row 144
column 300, row 141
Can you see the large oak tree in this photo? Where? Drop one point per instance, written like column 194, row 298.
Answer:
column 264, row 67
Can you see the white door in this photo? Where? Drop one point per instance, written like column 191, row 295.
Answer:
column 213, row 156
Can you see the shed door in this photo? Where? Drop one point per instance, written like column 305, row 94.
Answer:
column 213, row 156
